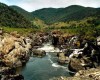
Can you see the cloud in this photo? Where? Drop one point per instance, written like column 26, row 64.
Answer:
column 31, row 5
column 10, row 2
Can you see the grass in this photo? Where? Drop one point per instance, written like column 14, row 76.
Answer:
column 88, row 31
column 22, row 31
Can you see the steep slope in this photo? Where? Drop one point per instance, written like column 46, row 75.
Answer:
column 26, row 14
column 11, row 18
column 74, row 12
column 46, row 14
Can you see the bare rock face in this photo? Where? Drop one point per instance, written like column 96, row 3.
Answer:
column 14, row 52
column 14, row 49
column 7, row 45
column 39, row 38
column 90, row 74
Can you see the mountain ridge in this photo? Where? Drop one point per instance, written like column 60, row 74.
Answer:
column 25, row 13
column 53, row 15
column 73, row 12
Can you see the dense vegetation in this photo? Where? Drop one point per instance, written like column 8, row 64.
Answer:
column 87, row 28
column 74, row 12
column 11, row 18
column 53, row 15
column 26, row 14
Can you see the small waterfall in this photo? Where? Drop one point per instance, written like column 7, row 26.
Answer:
column 49, row 48
column 76, row 51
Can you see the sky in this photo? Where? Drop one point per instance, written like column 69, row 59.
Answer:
column 32, row 5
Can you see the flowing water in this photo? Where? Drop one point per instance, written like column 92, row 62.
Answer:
column 46, row 67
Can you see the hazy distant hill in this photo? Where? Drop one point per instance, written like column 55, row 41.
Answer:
column 11, row 18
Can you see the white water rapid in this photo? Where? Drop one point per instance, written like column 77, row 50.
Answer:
column 51, row 49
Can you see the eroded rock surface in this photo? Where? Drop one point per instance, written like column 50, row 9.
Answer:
column 90, row 74
column 38, row 53
column 14, row 52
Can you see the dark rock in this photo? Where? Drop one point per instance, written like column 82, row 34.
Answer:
column 75, row 65
column 2, row 63
column 7, row 71
column 12, row 77
column 16, row 77
column 55, row 40
column 23, row 58
column 1, row 31
column 68, row 52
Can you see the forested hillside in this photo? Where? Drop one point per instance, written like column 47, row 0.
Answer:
column 54, row 15
column 74, row 12
column 26, row 14
column 11, row 18
column 69, row 18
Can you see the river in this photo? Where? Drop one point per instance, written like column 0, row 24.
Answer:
column 46, row 67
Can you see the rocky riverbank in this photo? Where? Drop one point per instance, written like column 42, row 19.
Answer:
column 90, row 74
column 14, row 52
column 81, row 56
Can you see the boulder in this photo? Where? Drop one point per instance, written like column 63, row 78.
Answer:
column 75, row 65
column 82, row 63
column 12, row 77
column 7, row 70
column 91, row 74
column 62, row 58
column 38, row 53
column 16, row 77
column 2, row 63
column 15, row 50
column 7, row 45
